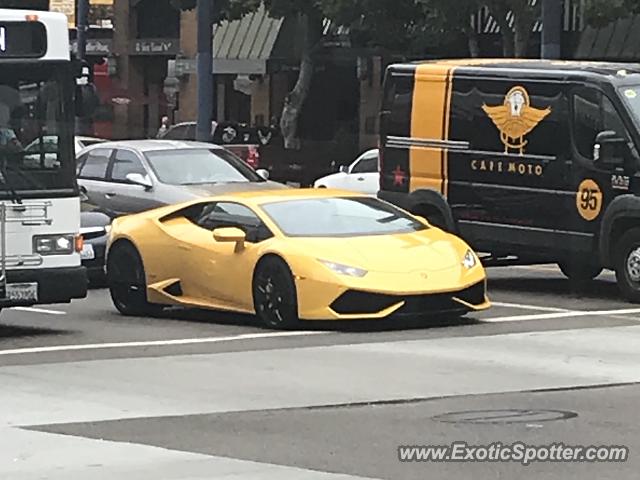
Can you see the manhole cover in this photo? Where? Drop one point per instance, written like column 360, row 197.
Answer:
column 505, row 416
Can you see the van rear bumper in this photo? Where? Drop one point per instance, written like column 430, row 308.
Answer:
column 55, row 285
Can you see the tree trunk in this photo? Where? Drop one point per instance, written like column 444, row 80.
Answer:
column 294, row 101
column 499, row 10
column 474, row 44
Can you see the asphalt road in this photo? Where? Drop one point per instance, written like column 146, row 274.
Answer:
column 194, row 395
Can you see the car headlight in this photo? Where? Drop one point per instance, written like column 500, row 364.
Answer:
column 344, row 269
column 54, row 244
column 469, row 260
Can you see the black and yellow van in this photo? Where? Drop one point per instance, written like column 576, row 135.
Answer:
column 531, row 161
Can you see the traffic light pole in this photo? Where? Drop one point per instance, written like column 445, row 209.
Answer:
column 205, row 69
column 551, row 28
column 82, row 26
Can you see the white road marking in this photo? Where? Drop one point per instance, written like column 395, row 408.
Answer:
column 565, row 314
column 537, row 308
column 38, row 310
column 156, row 343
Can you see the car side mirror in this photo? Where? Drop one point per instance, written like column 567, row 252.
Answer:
column 263, row 173
column 230, row 235
column 139, row 179
column 611, row 150
column 344, row 168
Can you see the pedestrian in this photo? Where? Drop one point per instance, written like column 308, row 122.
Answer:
column 164, row 127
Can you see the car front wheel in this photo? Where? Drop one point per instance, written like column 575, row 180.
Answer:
column 127, row 282
column 274, row 294
column 628, row 265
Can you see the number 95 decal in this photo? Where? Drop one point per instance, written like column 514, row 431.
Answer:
column 589, row 200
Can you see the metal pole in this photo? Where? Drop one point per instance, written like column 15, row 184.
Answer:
column 205, row 70
column 82, row 26
column 551, row 28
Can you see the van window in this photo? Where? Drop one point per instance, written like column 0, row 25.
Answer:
column 397, row 101
column 471, row 121
column 593, row 113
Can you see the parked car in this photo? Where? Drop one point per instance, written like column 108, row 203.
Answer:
column 50, row 148
column 361, row 176
column 132, row 176
column 243, row 141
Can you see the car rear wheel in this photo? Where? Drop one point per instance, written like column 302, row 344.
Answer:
column 127, row 282
column 274, row 294
column 627, row 265
column 580, row 272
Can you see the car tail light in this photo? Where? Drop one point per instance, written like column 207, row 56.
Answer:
column 79, row 243
column 253, row 158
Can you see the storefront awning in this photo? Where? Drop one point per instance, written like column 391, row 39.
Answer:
column 244, row 47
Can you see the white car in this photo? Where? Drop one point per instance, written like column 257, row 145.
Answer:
column 50, row 149
column 361, row 176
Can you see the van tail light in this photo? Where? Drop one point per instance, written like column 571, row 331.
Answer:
column 253, row 158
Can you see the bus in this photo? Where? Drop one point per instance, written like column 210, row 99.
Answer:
column 40, row 96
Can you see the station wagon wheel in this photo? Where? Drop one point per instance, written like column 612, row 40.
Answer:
column 127, row 283
column 627, row 265
column 274, row 294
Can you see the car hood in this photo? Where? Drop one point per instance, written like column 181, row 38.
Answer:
column 430, row 250
column 207, row 190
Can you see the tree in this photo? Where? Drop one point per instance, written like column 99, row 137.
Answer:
column 446, row 17
column 601, row 12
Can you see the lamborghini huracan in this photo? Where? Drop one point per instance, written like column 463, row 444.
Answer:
column 290, row 255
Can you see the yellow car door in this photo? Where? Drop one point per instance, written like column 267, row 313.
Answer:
column 221, row 270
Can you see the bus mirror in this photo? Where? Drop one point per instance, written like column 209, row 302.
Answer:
column 611, row 149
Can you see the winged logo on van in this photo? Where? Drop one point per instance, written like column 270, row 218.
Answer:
column 516, row 118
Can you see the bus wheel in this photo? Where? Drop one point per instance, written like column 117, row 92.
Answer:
column 127, row 282
column 580, row 272
column 628, row 265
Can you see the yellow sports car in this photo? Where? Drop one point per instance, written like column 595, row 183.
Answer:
column 291, row 254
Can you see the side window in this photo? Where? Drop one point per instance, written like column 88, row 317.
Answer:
column 366, row 165
column 190, row 134
column 587, row 120
column 225, row 214
column 124, row 163
column 95, row 166
column 593, row 113
column 514, row 117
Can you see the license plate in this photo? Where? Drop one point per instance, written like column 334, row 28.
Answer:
column 22, row 292
column 87, row 252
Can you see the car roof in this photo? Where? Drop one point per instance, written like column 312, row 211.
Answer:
column 155, row 145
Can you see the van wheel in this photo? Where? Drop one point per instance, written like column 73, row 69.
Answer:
column 627, row 265
column 580, row 272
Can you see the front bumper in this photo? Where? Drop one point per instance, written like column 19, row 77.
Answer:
column 55, row 285
column 333, row 302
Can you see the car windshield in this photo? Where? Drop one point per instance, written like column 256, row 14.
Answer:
column 200, row 166
column 340, row 217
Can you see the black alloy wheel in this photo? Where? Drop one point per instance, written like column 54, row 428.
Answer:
column 627, row 265
column 127, row 282
column 274, row 294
